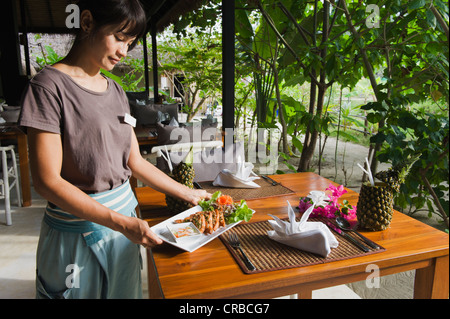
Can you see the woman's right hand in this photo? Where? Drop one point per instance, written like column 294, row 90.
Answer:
column 139, row 232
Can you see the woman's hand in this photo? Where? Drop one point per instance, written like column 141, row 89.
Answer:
column 193, row 196
column 139, row 232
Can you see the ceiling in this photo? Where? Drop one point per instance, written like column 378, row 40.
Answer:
column 49, row 16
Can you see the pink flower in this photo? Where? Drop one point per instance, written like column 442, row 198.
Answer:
column 348, row 212
column 336, row 192
column 327, row 211
column 333, row 209
column 351, row 214
column 304, row 204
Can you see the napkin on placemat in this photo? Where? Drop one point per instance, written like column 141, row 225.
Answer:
column 314, row 237
column 242, row 178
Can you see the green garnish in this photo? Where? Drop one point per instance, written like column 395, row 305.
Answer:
column 235, row 212
column 241, row 212
column 207, row 205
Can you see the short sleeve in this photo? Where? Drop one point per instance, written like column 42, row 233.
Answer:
column 40, row 109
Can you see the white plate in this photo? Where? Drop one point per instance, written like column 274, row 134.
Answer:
column 191, row 245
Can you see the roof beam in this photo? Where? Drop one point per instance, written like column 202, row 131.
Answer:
column 154, row 8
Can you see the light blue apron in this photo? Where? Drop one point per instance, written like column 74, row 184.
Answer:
column 80, row 259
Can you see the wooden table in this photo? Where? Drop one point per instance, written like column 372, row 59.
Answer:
column 143, row 136
column 147, row 140
column 211, row 271
column 11, row 133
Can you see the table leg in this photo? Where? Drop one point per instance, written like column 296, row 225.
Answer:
column 25, row 184
column 432, row 282
column 305, row 294
column 154, row 287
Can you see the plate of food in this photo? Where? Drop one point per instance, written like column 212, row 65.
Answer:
column 211, row 218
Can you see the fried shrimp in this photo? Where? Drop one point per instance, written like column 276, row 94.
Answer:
column 222, row 220
column 213, row 216
column 200, row 222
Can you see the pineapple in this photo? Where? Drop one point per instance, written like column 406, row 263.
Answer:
column 184, row 174
column 375, row 205
column 395, row 176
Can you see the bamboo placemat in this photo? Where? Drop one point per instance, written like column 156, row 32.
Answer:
column 268, row 255
column 266, row 190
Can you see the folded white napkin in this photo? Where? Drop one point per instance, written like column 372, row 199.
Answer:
column 314, row 237
column 239, row 179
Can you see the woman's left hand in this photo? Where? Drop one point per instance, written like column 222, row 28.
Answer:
column 193, row 196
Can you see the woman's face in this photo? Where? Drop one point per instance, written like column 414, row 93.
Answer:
column 107, row 45
column 109, row 48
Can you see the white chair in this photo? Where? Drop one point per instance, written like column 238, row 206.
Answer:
column 5, row 185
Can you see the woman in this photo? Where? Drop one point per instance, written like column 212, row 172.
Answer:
column 83, row 152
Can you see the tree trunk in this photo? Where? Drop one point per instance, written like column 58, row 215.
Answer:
column 194, row 110
column 280, row 106
column 306, row 153
column 312, row 133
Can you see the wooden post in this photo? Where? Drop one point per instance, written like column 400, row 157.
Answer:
column 155, row 63
column 228, row 61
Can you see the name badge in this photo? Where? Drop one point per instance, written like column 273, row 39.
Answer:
column 129, row 120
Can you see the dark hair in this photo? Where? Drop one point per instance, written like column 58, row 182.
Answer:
column 127, row 16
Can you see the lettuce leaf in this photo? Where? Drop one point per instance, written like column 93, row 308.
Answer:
column 206, row 205
column 242, row 212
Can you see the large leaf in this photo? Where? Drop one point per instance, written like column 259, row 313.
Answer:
column 264, row 41
column 297, row 143
column 416, row 4
column 112, row 76
column 431, row 19
column 243, row 26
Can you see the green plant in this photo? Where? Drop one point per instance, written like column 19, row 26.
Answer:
column 197, row 57
column 133, row 78
column 49, row 56
column 408, row 134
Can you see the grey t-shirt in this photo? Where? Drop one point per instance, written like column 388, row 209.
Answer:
column 95, row 139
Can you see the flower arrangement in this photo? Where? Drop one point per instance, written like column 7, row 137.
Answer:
column 329, row 208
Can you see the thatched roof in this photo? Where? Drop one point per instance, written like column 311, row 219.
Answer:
column 49, row 16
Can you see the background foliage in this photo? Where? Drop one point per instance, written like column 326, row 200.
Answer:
column 400, row 47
